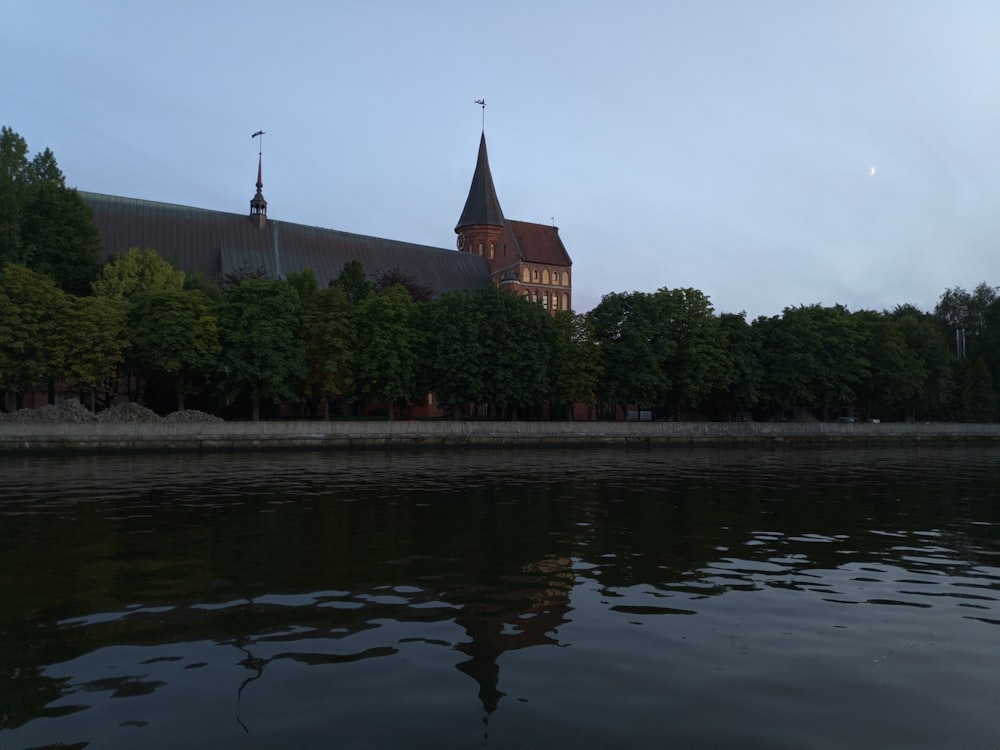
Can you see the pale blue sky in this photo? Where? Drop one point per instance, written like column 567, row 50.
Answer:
column 720, row 145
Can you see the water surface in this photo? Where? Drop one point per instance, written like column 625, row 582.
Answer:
column 513, row 599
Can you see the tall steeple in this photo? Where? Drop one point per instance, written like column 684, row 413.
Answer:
column 258, row 206
column 481, row 222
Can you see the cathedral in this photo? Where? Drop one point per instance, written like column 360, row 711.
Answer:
column 527, row 258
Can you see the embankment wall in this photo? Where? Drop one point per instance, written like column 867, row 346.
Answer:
column 216, row 436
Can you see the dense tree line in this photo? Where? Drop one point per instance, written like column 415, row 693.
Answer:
column 244, row 344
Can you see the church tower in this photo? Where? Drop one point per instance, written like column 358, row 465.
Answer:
column 481, row 224
column 258, row 206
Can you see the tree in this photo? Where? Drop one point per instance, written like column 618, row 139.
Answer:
column 353, row 281
column 813, row 358
column 635, row 350
column 699, row 361
column 743, row 391
column 391, row 277
column 386, row 360
column 262, row 356
column 30, row 312
column 896, row 374
column 960, row 310
column 329, row 336
column 43, row 224
column 453, row 357
column 576, row 363
column 137, row 272
column 88, row 344
column 175, row 337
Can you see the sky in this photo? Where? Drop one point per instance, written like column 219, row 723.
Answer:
column 769, row 153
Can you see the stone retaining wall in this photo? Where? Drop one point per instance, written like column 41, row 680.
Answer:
column 131, row 437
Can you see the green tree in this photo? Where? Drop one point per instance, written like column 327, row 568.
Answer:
column 813, row 358
column 386, row 359
column 31, row 309
column 741, row 394
column 453, row 358
column 174, row 338
column 897, row 374
column 306, row 285
column 43, row 224
column 576, row 361
column 699, row 361
column 88, row 344
column 518, row 343
column 960, row 310
column 329, row 336
column 262, row 355
column 137, row 272
column 353, row 281
column 927, row 340
column 635, row 350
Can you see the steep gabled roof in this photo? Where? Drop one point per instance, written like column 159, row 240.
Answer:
column 536, row 243
column 482, row 206
column 217, row 242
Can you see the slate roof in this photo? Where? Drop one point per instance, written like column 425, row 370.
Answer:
column 536, row 243
column 216, row 243
column 482, row 206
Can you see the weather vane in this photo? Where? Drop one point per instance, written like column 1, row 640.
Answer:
column 482, row 103
column 260, row 145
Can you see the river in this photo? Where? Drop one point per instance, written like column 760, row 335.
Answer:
column 604, row 598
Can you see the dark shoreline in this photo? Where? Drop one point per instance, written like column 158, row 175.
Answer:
column 34, row 438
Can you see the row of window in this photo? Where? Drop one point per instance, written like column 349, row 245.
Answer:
column 554, row 301
column 533, row 274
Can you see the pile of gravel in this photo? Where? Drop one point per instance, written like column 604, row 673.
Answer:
column 192, row 415
column 68, row 411
column 72, row 410
column 128, row 412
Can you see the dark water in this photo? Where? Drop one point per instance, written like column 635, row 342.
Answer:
column 760, row 599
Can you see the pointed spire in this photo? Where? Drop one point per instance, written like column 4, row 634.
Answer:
column 258, row 206
column 482, row 208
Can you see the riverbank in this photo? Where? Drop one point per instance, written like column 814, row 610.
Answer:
column 19, row 438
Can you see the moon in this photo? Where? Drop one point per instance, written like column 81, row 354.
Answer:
column 871, row 171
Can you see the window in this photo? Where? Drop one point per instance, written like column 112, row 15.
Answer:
column 536, row 296
column 525, row 275
column 535, row 274
column 555, row 277
column 493, row 248
column 565, row 301
column 545, row 300
column 545, row 276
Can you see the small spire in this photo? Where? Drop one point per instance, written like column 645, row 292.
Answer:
column 258, row 206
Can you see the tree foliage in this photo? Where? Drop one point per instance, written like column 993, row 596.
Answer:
column 175, row 338
column 262, row 355
column 386, row 360
column 137, row 272
column 43, row 224
column 329, row 334
column 88, row 344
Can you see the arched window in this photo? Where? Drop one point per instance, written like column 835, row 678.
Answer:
column 526, row 275
column 535, row 274
column 545, row 300
column 493, row 248
column 545, row 276
column 536, row 296
column 565, row 301
column 555, row 301
column 555, row 277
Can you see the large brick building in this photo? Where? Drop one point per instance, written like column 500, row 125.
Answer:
column 527, row 258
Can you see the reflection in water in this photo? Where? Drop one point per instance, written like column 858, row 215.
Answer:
column 306, row 592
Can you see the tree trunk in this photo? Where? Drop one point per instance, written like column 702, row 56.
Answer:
column 256, row 410
column 392, row 411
